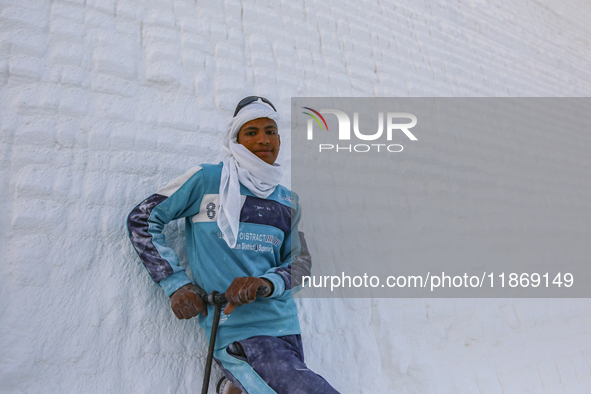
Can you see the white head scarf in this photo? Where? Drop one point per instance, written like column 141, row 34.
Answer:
column 243, row 166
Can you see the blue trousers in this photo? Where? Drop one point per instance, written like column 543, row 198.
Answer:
column 263, row 364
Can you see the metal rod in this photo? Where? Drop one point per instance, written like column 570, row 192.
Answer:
column 214, row 331
column 217, row 300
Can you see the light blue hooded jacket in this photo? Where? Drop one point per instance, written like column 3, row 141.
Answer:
column 269, row 246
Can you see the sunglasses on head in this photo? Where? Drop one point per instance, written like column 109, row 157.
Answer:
column 249, row 100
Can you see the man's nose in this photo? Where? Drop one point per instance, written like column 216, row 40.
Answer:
column 262, row 138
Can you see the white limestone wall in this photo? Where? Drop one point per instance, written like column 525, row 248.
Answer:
column 104, row 101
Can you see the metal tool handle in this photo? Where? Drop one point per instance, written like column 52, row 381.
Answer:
column 217, row 299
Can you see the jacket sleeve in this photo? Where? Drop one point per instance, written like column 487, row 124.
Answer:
column 296, row 261
column 180, row 198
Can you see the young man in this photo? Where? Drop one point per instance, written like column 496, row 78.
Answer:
column 241, row 233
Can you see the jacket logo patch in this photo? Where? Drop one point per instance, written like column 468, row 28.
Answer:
column 210, row 210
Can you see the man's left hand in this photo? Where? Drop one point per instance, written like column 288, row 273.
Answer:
column 244, row 291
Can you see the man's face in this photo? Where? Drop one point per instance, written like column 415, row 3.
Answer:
column 260, row 136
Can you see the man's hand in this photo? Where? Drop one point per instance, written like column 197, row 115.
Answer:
column 244, row 291
column 186, row 302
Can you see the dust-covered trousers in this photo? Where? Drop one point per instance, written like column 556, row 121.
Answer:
column 264, row 364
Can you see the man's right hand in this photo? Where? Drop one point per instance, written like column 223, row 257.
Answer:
column 186, row 302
